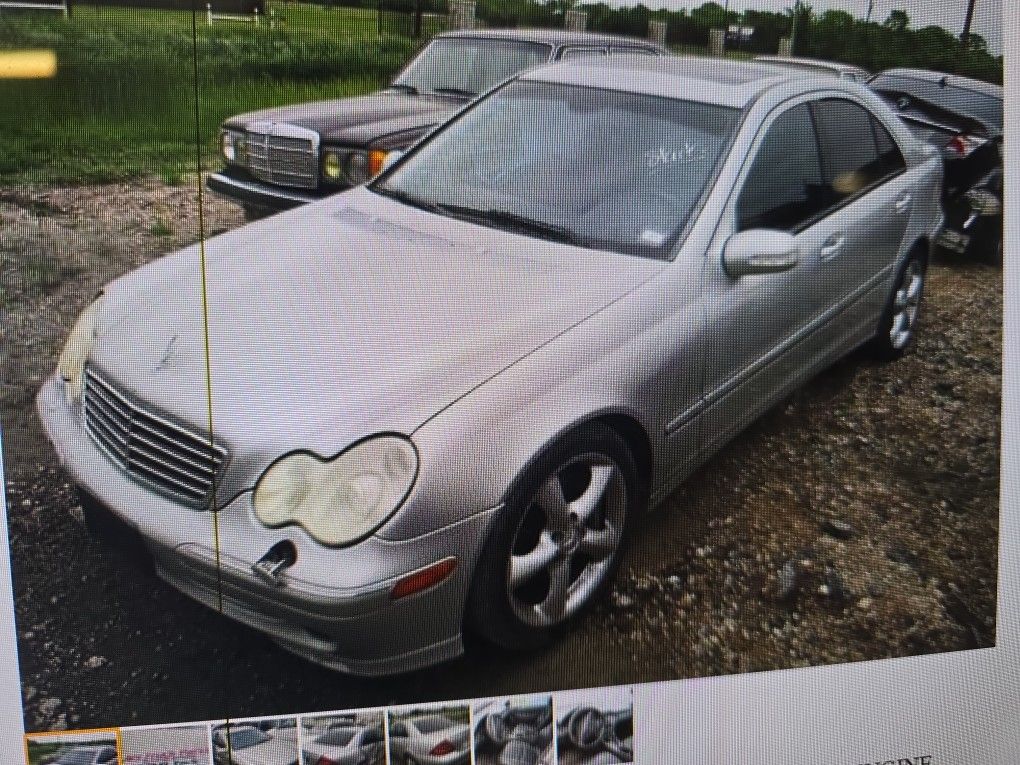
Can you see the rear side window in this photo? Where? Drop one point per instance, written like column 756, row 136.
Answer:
column 785, row 187
column 850, row 153
column 888, row 152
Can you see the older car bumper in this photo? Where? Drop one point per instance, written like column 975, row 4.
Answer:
column 260, row 196
column 349, row 621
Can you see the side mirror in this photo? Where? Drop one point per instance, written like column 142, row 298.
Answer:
column 391, row 159
column 760, row 251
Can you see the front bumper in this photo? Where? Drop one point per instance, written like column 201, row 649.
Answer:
column 334, row 609
column 260, row 196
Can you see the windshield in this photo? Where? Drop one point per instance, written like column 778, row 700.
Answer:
column 964, row 101
column 603, row 169
column 466, row 66
column 242, row 739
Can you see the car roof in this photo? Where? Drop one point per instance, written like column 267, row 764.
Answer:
column 693, row 78
column 980, row 86
column 556, row 37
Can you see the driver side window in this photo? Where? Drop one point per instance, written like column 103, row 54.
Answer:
column 785, row 188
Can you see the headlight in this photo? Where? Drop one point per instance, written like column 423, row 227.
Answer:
column 77, row 348
column 332, row 167
column 232, row 145
column 351, row 166
column 341, row 500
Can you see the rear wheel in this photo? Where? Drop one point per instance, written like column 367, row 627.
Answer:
column 898, row 326
column 558, row 541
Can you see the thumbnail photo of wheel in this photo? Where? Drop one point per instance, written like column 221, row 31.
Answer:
column 595, row 727
column 87, row 747
column 166, row 745
column 271, row 741
column 514, row 731
column 349, row 738
column 433, row 735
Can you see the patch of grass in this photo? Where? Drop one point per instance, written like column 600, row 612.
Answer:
column 161, row 228
column 42, row 273
column 171, row 175
column 125, row 101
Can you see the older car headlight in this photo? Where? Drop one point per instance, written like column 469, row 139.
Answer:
column 351, row 166
column 232, row 145
column 77, row 348
column 341, row 500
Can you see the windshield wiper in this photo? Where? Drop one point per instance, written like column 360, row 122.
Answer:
column 405, row 87
column 513, row 222
column 455, row 92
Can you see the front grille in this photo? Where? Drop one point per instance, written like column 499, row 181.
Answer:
column 177, row 461
column 284, row 160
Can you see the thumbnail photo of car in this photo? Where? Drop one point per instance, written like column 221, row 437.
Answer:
column 248, row 743
column 513, row 731
column 166, row 745
column 99, row 747
column 352, row 739
column 277, row 158
column 430, row 736
column 595, row 727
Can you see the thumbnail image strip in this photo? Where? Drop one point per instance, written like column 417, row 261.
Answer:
column 99, row 746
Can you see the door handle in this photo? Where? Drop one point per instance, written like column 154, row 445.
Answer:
column 903, row 203
column 833, row 245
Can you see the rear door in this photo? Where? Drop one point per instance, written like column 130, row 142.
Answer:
column 872, row 193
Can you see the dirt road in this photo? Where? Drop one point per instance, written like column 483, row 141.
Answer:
column 858, row 520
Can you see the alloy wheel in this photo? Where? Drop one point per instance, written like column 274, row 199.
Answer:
column 567, row 540
column 907, row 305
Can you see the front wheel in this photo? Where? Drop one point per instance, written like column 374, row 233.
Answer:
column 898, row 325
column 557, row 543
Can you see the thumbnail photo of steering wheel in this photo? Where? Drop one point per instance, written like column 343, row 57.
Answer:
column 594, row 727
column 514, row 731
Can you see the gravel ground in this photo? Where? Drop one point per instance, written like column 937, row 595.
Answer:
column 858, row 520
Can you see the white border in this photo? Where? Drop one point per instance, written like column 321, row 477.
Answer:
column 12, row 721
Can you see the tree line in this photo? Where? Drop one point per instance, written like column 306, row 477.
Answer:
column 831, row 34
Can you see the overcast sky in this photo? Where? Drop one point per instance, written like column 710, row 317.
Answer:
column 946, row 13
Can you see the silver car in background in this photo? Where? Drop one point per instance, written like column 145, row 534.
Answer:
column 430, row 739
column 344, row 745
column 439, row 401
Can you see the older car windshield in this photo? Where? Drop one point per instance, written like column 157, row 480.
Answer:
column 465, row 65
column 599, row 168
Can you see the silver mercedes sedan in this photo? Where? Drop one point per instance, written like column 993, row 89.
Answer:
column 437, row 403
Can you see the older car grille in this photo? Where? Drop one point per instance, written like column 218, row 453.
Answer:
column 149, row 448
column 287, row 160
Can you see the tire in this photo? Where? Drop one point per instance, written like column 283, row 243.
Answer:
column 551, row 554
column 898, row 326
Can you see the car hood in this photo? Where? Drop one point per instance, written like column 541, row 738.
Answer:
column 272, row 752
column 360, row 120
column 343, row 318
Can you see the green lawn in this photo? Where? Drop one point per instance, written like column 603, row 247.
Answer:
column 123, row 102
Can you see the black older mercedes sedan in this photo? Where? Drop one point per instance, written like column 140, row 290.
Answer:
column 279, row 158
